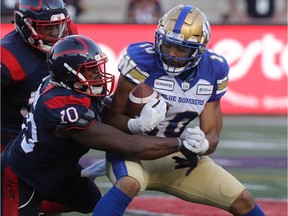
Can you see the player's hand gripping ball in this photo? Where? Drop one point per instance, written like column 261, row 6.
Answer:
column 145, row 108
column 138, row 97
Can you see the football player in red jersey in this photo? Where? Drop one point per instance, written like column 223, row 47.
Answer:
column 192, row 79
column 38, row 25
column 63, row 124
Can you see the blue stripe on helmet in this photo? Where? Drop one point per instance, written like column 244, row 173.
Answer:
column 181, row 18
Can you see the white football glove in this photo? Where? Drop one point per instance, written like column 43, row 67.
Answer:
column 195, row 141
column 151, row 115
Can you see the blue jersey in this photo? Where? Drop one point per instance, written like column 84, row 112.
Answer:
column 185, row 95
column 47, row 160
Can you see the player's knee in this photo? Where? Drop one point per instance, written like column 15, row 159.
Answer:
column 128, row 185
column 243, row 204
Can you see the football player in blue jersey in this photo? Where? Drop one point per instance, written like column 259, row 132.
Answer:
column 38, row 25
column 192, row 79
column 42, row 162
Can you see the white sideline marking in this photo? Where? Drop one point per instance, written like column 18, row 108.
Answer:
column 146, row 213
column 234, row 144
column 256, row 187
column 172, row 197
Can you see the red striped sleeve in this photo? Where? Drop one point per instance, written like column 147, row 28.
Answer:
column 61, row 101
column 12, row 64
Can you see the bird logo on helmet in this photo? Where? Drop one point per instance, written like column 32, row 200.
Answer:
column 187, row 27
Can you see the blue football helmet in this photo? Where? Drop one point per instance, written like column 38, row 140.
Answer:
column 184, row 26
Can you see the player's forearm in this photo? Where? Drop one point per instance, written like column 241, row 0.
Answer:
column 142, row 147
column 151, row 147
column 213, row 143
column 119, row 121
column 106, row 138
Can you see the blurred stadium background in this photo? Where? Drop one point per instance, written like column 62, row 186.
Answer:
column 253, row 145
column 111, row 11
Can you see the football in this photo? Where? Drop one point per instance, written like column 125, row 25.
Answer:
column 138, row 97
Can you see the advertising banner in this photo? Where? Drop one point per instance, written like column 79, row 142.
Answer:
column 257, row 55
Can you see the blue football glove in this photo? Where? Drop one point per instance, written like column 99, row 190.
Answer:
column 190, row 160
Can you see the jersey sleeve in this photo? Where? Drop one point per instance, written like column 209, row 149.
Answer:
column 221, row 72
column 11, row 70
column 137, row 61
column 82, row 122
column 70, row 112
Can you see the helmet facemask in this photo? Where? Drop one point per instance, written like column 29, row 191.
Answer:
column 92, row 77
column 173, row 65
column 44, row 34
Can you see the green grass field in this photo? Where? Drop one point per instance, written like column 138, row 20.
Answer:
column 252, row 148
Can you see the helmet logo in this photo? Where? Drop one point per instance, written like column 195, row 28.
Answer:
column 205, row 32
column 57, row 17
column 174, row 35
